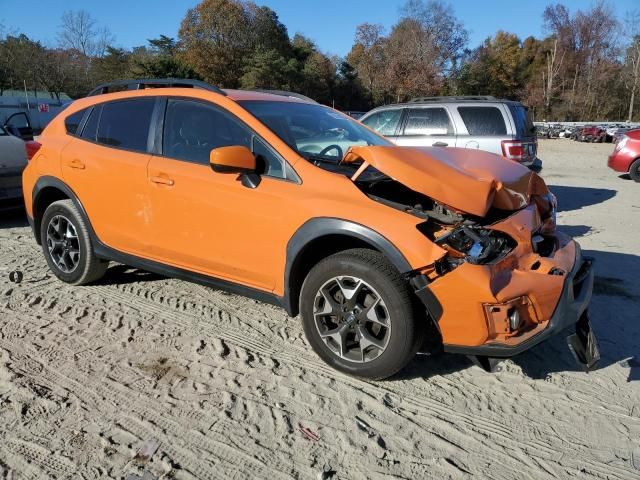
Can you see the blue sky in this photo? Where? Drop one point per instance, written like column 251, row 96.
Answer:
column 330, row 23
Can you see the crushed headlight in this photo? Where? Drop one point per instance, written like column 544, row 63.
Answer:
column 477, row 245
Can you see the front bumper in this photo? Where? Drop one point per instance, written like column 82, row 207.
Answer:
column 572, row 304
column 620, row 161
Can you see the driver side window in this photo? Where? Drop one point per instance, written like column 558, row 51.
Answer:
column 192, row 129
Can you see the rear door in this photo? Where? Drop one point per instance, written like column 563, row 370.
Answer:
column 106, row 166
column 486, row 126
column 386, row 122
column 20, row 124
column 426, row 127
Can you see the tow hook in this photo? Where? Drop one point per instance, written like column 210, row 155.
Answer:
column 584, row 345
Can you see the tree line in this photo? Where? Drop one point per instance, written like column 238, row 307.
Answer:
column 587, row 66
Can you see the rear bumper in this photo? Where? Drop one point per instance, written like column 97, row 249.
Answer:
column 534, row 165
column 574, row 301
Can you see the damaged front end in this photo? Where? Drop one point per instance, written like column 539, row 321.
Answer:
column 506, row 279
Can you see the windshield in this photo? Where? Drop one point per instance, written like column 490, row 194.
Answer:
column 316, row 132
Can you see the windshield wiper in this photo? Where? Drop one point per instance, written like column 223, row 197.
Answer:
column 319, row 158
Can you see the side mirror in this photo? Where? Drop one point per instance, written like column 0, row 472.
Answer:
column 234, row 159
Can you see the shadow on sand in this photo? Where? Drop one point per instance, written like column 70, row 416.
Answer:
column 575, row 198
column 13, row 218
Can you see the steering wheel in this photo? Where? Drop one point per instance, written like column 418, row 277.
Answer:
column 332, row 147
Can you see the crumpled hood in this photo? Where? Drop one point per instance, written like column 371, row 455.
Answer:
column 470, row 181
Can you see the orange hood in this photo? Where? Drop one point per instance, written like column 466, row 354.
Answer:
column 470, row 181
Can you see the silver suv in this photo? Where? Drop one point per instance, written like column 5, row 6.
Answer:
column 503, row 127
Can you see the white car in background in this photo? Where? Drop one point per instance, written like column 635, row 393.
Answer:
column 13, row 159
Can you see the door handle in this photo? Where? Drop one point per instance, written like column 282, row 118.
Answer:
column 440, row 144
column 75, row 163
column 162, row 180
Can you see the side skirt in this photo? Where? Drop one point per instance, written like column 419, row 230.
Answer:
column 108, row 253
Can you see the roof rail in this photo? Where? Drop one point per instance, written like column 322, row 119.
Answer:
column 142, row 83
column 283, row 93
column 452, row 98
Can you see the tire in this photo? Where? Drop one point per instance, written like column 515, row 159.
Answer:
column 634, row 170
column 371, row 275
column 70, row 257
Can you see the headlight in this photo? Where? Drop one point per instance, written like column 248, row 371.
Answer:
column 477, row 245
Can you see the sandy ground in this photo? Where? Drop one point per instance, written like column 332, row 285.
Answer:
column 142, row 375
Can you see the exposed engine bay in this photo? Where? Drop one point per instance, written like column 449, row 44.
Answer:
column 463, row 236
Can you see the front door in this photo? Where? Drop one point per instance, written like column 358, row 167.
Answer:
column 209, row 222
column 19, row 125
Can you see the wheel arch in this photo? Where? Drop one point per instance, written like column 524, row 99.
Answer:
column 48, row 190
column 320, row 237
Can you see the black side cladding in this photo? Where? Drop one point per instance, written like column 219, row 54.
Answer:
column 420, row 285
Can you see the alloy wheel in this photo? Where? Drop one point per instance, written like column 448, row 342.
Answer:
column 352, row 319
column 63, row 243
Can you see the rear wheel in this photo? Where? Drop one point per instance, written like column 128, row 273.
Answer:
column 359, row 315
column 67, row 245
column 634, row 170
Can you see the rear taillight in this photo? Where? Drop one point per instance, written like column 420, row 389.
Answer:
column 513, row 150
column 32, row 148
column 621, row 143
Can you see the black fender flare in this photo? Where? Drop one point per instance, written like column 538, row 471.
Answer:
column 52, row 182
column 324, row 226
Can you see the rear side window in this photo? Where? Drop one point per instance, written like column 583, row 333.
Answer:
column 428, row 121
column 483, row 120
column 522, row 119
column 125, row 124
column 384, row 122
column 90, row 130
column 72, row 122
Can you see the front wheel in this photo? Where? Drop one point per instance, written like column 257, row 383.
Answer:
column 359, row 314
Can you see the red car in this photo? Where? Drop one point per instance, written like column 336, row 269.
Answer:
column 626, row 155
column 592, row 134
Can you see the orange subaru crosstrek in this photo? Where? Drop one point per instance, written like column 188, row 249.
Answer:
column 382, row 250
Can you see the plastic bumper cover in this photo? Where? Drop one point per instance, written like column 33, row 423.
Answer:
column 573, row 302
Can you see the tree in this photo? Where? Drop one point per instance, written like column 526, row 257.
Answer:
column 494, row 68
column 79, row 31
column 632, row 60
column 367, row 57
column 587, row 42
column 268, row 69
column 160, row 60
column 218, row 35
column 411, row 68
column 550, row 74
column 443, row 31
